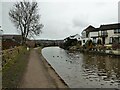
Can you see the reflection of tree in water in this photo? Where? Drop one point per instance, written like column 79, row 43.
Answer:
column 100, row 61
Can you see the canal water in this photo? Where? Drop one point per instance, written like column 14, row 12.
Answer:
column 80, row 70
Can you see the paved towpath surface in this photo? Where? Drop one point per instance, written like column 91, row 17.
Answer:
column 39, row 75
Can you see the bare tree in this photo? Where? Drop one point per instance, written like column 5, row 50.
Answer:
column 26, row 18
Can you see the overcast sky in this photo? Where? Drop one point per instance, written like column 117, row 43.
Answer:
column 62, row 18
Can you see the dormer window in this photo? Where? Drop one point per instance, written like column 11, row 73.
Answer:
column 117, row 31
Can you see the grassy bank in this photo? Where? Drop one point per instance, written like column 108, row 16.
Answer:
column 14, row 68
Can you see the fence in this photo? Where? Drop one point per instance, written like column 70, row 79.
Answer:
column 9, row 55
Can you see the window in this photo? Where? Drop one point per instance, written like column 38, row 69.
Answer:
column 103, row 32
column 116, row 40
column 83, row 41
column 87, row 34
column 119, row 40
column 117, row 31
column 94, row 40
column 110, row 40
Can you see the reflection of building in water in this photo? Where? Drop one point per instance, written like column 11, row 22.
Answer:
column 117, row 68
column 108, row 66
column 112, row 67
column 104, row 66
column 100, row 63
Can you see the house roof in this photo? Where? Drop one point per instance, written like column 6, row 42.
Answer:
column 110, row 26
column 76, row 36
column 102, row 27
column 12, row 36
column 8, row 36
column 89, row 28
column 95, row 30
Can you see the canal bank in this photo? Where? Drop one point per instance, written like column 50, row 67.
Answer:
column 95, row 50
column 80, row 70
column 39, row 73
column 111, row 53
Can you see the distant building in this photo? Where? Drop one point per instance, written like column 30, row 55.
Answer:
column 49, row 42
column 72, row 40
column 76, row 36
column 10, row 41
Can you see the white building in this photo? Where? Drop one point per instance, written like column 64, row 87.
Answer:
column 108, row 34
column 77, row 36
column 94, row 35
column 86, row 34
column 73, row 37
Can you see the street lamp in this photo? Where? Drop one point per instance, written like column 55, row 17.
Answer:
column 1, row 33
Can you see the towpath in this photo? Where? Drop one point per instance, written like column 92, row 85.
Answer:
column 39, row 73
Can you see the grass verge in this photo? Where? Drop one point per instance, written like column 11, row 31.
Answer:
column 13, row 71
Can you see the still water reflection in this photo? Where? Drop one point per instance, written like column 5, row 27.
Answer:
column 80, row 70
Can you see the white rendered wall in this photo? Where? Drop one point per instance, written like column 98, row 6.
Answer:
column 110, row 34
column 93, row 34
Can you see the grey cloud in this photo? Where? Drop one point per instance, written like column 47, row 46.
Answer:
column 0, row 13
column 101, row 4
column 64, row 19
column 79, row 22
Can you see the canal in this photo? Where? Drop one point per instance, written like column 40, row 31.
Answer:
column 80, row 70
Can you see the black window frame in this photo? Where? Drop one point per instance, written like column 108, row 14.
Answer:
column 83, row 41
column 104, row 32
column 117, row 31
column 119, row 40
column 116, row 40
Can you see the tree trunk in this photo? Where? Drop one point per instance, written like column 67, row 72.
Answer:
column 23, row 39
